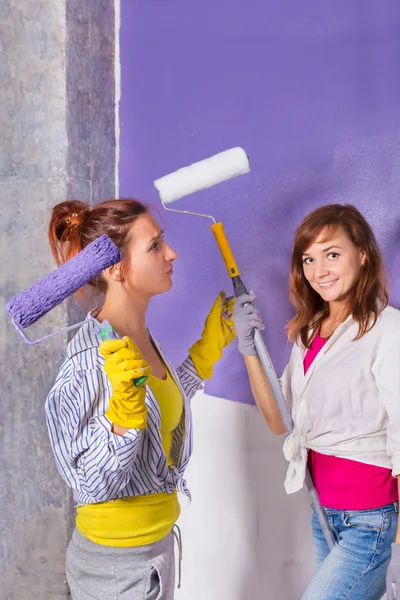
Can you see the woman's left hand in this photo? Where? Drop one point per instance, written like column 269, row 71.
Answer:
column 393, row 575
column 218, row 332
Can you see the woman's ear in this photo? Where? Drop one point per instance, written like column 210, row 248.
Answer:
column 113, row 273
column 363, row 259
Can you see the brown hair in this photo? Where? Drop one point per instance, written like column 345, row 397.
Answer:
column 370, row 293
column 74, row 225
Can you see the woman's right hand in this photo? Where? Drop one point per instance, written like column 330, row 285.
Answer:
column 123, row 364
column 246, row 318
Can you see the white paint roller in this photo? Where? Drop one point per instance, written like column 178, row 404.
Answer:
column 203, row 174
column 199, row 176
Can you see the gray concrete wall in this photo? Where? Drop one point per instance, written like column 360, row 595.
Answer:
column 56, row 141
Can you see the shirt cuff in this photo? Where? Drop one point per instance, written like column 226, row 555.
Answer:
column 188, row 368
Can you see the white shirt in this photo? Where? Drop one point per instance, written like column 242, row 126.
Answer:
column 348, row 403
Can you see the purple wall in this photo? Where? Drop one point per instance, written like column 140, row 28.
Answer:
column 313, row 95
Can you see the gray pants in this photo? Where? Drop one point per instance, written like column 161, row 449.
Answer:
column 96, row 572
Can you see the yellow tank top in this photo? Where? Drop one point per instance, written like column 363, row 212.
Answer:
column 139, row 520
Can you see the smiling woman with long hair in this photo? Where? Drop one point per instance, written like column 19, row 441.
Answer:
column 343, row 386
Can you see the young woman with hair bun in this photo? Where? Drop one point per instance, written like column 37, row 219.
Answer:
column 123, row 448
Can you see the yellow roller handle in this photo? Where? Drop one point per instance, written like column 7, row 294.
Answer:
column 225, row 249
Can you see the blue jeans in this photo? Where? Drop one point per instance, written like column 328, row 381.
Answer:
column 355, row 569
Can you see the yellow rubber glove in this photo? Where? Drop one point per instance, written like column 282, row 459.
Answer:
column 218, row 332
column 123, row 364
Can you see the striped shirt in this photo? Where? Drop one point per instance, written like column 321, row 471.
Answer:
column 96, row 463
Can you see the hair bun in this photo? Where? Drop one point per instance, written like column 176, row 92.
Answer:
column 67, row 217
column 75, row 219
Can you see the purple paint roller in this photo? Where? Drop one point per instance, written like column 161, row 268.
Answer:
column 30, row 305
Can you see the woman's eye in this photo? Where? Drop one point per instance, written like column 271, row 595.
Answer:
column 307, row 261
column 333, row 255
column 156, row 244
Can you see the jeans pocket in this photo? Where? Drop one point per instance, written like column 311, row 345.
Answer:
column 371, row 520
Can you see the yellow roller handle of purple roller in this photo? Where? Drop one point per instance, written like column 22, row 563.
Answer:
column 225, row 249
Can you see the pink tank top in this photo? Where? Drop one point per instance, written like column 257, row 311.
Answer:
column 347, row 484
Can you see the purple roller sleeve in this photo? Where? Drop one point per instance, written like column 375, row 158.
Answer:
column 31, row 304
